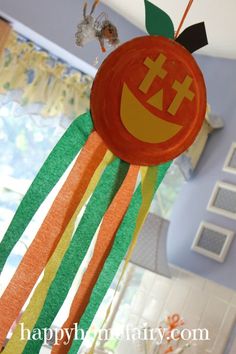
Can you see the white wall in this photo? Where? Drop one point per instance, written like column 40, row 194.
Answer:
column 219, row 17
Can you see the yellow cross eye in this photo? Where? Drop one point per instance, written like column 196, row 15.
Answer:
column 183, row 91
column 156, row 69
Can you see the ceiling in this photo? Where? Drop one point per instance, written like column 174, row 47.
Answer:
column 219, row 17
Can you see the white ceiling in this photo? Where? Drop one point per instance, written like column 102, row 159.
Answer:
column 219, row 17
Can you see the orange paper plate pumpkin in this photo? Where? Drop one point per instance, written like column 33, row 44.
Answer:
column 148, row 100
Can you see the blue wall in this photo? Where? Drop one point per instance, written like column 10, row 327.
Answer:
column 57, row 21
column 190, row 208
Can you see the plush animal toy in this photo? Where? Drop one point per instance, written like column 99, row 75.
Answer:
column 99, row 28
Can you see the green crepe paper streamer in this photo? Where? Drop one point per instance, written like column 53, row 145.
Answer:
column 158, row 23
column 118, row 252
column 104, row 193
column 52, row 170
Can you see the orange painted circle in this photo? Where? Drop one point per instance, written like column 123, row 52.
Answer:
column 120, row 93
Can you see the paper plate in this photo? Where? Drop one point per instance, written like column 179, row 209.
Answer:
column 148, row 100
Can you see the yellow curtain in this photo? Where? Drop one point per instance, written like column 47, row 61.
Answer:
column 42, row 79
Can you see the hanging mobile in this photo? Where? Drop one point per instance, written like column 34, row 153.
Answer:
column 147, row 106
column 99, row 28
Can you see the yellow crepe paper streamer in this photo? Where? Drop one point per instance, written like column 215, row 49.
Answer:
column 30, row 316
column 149, row 177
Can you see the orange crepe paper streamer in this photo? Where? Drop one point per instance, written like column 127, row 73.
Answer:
column 111, row 222
column 50, row 232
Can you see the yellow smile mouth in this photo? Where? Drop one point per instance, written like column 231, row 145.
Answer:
column 141, row 123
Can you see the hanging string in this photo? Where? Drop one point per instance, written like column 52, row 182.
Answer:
column 184, row 18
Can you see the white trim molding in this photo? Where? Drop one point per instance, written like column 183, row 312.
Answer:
column 212, row 207
column 229, row 234
column 227, row 167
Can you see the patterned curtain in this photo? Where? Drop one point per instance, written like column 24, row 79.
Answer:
column 41, row 82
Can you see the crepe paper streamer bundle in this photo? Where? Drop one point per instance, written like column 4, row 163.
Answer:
column 150, row 181
column 51, row 231
column 122, row 241
column 148, row 103
column 37, row 301
column 50, row 173
column 110, row 221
